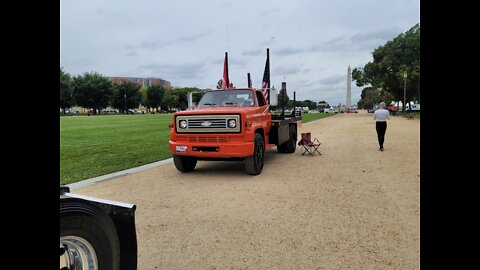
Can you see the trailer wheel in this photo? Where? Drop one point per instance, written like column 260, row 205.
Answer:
column 88, row 242
column 282, row 148
column 184, row 164
column 291, row 145
column 254, row 163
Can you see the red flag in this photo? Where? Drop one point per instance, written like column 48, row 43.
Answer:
column 225, row 81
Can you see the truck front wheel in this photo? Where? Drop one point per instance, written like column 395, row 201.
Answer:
column 88, row 242
column 254, row 163
column 184, row 164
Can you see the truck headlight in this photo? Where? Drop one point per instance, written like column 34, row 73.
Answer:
column 183, row 123
column 232, row 123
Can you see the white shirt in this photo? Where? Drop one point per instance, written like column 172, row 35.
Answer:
column 381, row 115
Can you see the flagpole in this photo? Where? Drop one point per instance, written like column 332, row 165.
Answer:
column 268, row 60
column 226, row 61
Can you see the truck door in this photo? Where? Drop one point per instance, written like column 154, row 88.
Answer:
column 263, row 112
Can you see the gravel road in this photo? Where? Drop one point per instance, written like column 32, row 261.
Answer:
column 353, row 207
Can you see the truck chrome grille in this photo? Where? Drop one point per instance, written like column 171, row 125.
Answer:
column 207, row 123
column 216, row 123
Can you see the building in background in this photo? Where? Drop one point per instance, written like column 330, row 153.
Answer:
column 321, row 105
column 142, row 81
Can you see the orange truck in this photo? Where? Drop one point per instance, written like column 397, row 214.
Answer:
column 231, row 124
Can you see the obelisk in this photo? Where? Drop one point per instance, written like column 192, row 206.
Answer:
column 348, row 104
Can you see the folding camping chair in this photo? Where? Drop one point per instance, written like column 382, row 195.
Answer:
column 309, row 146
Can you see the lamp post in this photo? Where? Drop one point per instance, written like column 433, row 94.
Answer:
column 404, row 91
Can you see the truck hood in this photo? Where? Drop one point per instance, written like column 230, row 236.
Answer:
column 218, row 110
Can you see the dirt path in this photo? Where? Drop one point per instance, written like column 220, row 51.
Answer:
column 354, row 207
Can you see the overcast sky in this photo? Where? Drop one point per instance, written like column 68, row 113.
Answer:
column 312, row 42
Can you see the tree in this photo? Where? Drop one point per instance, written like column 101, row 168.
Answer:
column 310, row 104
column 371, row 97
column 178, row 97
column 155, row 95
column 196, row 96
column 143, row 96
column 66, row 90
column 390, row 61
column 170, row 99
column 92, row 90
column 127, row 96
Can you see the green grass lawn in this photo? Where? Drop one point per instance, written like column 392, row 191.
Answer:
column 307, row 117
column 91, row 146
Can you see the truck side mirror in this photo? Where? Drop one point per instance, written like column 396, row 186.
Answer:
column 273, row 97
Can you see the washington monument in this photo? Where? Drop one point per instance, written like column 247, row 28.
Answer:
column 349, row 88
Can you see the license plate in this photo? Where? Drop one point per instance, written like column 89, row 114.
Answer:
column 181, row 148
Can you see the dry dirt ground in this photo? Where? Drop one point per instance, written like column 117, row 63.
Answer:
column 353, row 207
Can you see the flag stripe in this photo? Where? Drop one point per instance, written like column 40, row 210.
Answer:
column 266, row 79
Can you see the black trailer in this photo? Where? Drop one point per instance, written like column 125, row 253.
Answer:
column 284, row 127
column 96, row 234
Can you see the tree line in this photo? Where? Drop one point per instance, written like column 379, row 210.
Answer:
column 384, row 79
column 95, row 91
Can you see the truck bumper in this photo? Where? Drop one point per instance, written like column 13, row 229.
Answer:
column 211, row 150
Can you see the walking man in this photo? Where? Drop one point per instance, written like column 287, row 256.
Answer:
column 380, row 116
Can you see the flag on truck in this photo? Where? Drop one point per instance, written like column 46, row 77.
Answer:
column 266, row 79
column 225, row 81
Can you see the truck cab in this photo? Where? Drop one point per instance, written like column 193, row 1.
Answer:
column 229, row 124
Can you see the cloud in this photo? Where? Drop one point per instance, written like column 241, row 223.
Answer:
column 303, row 83
column 237, row 62
column 183, row 71
column 252, row 52
column 268, row 42
column 227, row 4
column 333, row 80
column 265, row 12
column 288, row 51
column 361, row 41
column 378, row 34
column 110, row 13
column 282, row 70
column 217, row 62
column 131, row 53
column 155, row 44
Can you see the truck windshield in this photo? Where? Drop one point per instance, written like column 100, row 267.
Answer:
column 227, row 98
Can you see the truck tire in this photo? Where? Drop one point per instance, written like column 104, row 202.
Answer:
column 184, row 164
column 292, row 142
column 254, row 163
column 282, row 148
column 291, row 145
column 88, row 241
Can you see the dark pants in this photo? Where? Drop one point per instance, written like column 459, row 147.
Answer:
column 381, row 128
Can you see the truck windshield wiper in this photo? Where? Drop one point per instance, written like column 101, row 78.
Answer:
column 230, row 103
column 211, row 104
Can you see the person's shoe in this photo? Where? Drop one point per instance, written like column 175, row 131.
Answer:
column 381, row 148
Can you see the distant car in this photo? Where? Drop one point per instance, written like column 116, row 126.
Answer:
column 330, row 110
column 314, row 111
